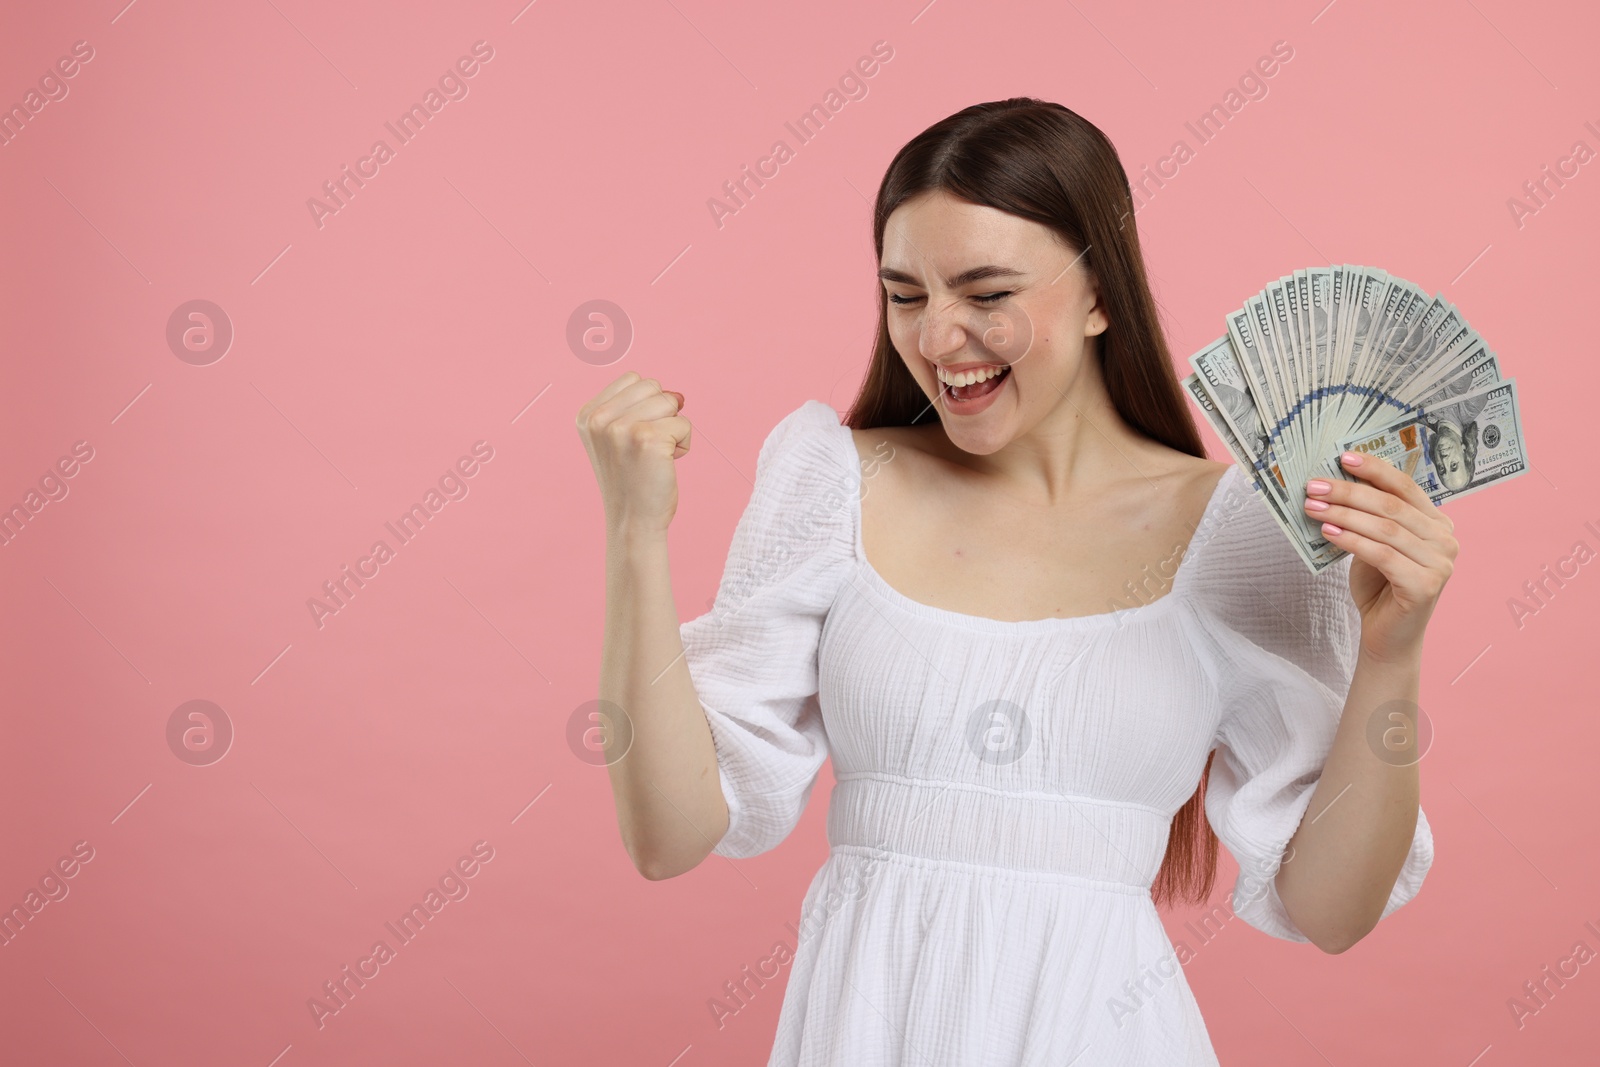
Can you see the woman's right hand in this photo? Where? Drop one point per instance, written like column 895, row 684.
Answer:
column 633, row 433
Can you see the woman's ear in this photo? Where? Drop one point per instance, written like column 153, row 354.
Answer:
column 1096, row 322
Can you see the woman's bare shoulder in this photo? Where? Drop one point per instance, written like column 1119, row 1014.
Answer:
column 1169, row 466
column 901, row 460
column 877, row 443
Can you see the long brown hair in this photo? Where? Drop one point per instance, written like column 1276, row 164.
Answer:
column 1040, row 161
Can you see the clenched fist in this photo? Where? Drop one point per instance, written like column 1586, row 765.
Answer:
column 633, row 432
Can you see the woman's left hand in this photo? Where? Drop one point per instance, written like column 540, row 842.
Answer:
column 1404, row 549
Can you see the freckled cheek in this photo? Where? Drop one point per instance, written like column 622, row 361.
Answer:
column 906, row 341
column 1038, row 353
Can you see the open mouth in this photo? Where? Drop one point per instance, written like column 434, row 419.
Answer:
column 972, row 385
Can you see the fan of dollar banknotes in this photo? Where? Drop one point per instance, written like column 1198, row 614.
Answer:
column 1340, row 358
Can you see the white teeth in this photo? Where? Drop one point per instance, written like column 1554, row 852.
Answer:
column 969, row 377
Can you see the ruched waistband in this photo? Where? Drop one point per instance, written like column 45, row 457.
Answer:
column 1118, row 844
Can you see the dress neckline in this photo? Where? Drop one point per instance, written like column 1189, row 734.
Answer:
column 1055, row 624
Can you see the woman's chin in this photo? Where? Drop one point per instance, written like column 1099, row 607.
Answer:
column 981, row 434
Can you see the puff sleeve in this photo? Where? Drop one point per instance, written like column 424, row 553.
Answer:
column 1290, row 645
column 753, row 656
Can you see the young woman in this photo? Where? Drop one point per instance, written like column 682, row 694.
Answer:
column 921, row 593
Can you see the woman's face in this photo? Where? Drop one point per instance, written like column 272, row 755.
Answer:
column 974, row 289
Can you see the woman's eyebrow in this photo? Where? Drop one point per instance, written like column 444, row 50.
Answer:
column 890, row 274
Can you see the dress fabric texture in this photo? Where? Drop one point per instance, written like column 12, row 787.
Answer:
column 1005, row 789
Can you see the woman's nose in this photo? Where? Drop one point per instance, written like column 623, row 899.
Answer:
column 945, row 327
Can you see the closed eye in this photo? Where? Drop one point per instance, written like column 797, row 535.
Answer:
column 986, row 298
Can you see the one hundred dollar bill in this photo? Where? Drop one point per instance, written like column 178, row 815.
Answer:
column 1402, row 445
column 1316, row 557
column 1456, row 447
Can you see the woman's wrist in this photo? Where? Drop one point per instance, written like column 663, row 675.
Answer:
column 630, row 535
column 1404, row 660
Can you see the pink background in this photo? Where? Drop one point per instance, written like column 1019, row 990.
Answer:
column 372, row 352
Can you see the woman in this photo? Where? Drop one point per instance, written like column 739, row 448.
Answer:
column 1022, row 774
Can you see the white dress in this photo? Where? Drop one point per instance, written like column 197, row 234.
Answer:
column 1005, row 789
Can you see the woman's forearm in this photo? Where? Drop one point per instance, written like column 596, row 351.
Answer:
column 670, row 808
column 1357, row 832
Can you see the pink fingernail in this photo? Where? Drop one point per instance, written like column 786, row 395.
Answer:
column 1317, row 485
column 1330, row 528
column 1316, row 505
column 1351, row 459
